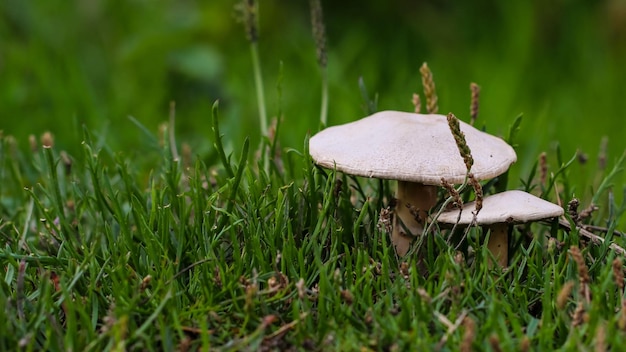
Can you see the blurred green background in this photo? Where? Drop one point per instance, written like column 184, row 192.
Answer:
column 95, row 62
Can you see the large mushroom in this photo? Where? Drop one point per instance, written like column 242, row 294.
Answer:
column 499, row 212
column 416, row 150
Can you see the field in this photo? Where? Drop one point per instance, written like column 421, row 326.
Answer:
column 156, row 190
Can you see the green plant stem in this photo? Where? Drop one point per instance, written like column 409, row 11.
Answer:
column 260, row 95
column 172, row 133
column 258, row 82
column 324, row 107
column 218, row 140
column 52, row 164
column 606, row 183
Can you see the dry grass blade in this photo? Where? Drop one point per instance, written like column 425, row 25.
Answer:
column 564, row 224
column 451, row 327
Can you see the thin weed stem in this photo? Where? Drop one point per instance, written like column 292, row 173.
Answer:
column 319, row 35
column 250, row 14
column 324, row 107
column 258, row 83
column 218, row 140
column 172, row 134
column 260, row 95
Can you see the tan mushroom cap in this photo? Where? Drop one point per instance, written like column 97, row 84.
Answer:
column 507, row 207
column 408, row 147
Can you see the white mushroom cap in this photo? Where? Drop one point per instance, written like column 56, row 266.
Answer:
column 506, row 207
column 408, row 147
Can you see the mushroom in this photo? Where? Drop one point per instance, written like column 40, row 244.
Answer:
column 499, row 212
column 416, row 150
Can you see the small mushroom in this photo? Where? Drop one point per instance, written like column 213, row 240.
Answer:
column 416, row 150
column 499, row 212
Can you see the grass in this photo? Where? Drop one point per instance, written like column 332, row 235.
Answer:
column 560, row 68
column 239, row 248
column 103, row 255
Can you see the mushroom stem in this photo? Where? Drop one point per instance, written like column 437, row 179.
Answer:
column 498, row 243
column 412, row 199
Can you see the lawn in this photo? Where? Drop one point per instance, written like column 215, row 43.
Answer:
column 131, row 223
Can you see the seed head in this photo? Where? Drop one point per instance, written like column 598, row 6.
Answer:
column 417, row 103
column 162, row 136
column 459, row 259
column 583, row 272
column 494, row 341
column 347, row 296
column 145, row 283
column 582, row 157
column 618, row 273
column 301, row 288
column 385, row 220
column 459, row 138
column 247, row 11
column 468, row 335
column 67, row 162
column 12, row 145
column 452, row 192
column 319, row 31
column 572, row 209
column 563, row 296
column 478, row 190
column 475, row 89
column 47, row 140
column 187, row 156
column 524, row 345
column 600, row 338
column 579, row 315
column 429, row 89
column 587, row 212
column 404, row 270
column 32, row 142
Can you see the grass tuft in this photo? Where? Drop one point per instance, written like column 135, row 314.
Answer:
column 104, row 250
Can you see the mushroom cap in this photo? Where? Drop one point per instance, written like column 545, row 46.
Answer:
column 506, row 207
column 408, row 147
